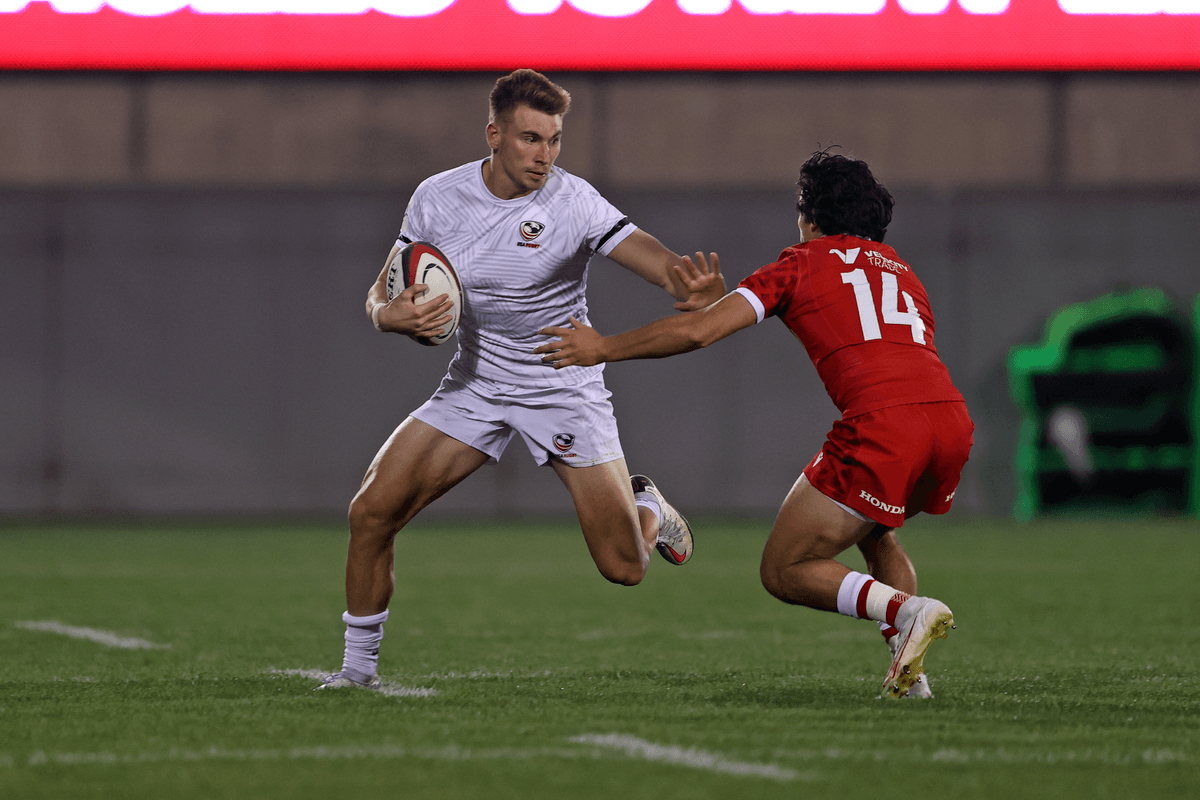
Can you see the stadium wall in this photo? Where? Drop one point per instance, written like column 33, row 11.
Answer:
column 186, row 256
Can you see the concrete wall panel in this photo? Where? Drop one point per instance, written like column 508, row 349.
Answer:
column 754, row 131
column 207, row 352
column 58, row 130
column 328, row 132
column 1134, row 130
column 635, row 131
column 213, row 237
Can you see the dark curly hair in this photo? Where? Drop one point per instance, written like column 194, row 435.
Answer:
column 840, row 195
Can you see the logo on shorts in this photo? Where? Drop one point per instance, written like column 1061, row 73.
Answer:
column 882, row 506
column 563, row 441
column 950, row 496
column 530, row 230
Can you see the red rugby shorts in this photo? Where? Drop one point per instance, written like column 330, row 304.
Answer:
column 893, row 463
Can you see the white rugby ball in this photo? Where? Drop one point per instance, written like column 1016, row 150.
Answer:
column 422, row 262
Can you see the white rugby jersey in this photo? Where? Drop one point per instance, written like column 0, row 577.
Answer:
column 522, row 263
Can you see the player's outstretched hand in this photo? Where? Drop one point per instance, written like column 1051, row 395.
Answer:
column 404, row 315
column 577, row 346
column 705, row 285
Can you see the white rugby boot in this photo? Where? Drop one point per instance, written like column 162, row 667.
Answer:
column 674, row 534
column 921, row 688
column 342, row 680
column 919, row 621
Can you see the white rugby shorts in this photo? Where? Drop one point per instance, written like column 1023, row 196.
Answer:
column 571, row 424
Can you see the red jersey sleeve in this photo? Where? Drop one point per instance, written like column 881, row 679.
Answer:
column 775, row 284
column 862, row 316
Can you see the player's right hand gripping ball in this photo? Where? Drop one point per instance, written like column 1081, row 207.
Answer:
column 422, row 262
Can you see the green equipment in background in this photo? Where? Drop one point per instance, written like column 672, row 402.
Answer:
column 1109, row 409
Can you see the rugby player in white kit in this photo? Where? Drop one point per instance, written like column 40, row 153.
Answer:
column 520, row 232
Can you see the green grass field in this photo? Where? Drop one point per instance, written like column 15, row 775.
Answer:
column 514, row 670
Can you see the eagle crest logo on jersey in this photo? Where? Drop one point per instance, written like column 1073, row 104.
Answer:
column 530, row 230
column 563, row 441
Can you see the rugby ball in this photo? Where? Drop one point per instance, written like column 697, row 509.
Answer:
column 422, row 262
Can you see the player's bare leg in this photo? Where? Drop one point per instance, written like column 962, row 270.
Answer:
column 415, row 466
column 619, row 535
column 886, row 559
column 798, row 567
column 608, row 501
column 809, row 531
column 888, row 563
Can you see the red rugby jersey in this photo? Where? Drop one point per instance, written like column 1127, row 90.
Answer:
column 864, row 319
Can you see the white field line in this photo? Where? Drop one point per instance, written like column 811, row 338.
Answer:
column 387, row 689
column 599, row 747
column 1107, row 757
column 1001, row 755
column 684, row 757
column 93, row 635
column 650, row 752
column 382, row 752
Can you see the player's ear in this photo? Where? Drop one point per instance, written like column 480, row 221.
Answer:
column 492, row 134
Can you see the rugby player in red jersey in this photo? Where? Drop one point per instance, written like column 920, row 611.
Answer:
column 904, row 434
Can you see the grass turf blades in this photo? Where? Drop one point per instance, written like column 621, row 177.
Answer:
column 519, row 672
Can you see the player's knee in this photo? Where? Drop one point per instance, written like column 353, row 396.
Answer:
column 622, row 571
column 368, row 518
column 771, row 575
column 783, row 575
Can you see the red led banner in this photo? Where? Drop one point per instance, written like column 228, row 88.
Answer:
column 601, row 34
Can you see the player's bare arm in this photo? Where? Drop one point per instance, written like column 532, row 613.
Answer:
column 403, row 314
column 705, row 285
column 648, row 258
column 581, row 345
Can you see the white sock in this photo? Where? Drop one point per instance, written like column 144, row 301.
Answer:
column 847, row 600
column 363, row 635
column 861, row 596
column 889, row 633
column 647, row 500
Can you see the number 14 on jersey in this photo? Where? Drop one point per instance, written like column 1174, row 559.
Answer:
column 889, row 308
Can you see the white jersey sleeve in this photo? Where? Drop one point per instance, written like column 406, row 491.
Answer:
column 522, row 263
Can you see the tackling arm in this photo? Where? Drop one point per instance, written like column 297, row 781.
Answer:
column 581, row 345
